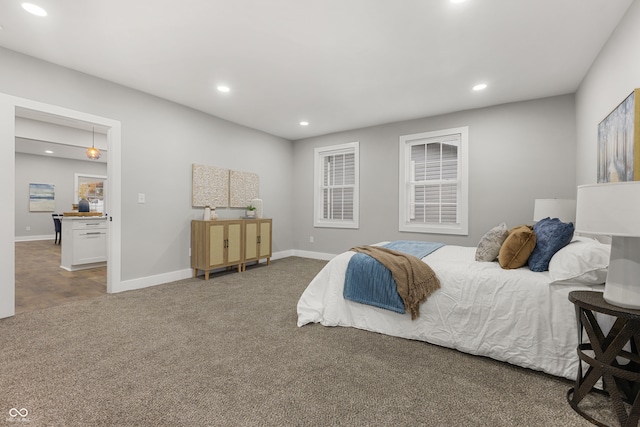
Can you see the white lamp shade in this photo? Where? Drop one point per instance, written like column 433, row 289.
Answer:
column 614, row 209
column 563, row 209
column 609, row 209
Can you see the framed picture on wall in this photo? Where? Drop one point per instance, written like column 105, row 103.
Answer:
column 42, row 197
column 619, row 142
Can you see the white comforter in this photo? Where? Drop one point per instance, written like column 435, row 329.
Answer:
column 515, row 316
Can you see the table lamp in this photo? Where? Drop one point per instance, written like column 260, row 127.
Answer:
column 613, row 209
column 563, row 209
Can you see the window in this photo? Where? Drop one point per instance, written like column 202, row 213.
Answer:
column 90, row 187
column 336, row 186
column 434, row 182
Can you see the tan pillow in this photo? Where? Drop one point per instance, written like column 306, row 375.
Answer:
column 517, row 247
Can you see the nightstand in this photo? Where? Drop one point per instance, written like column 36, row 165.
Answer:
column 607, row 357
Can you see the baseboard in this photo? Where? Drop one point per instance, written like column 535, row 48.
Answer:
column 160, row 279
column 282, row 254
column 313, row 255
column 302, row 254
column 34, row 238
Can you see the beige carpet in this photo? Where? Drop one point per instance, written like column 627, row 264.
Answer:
column 227, row 352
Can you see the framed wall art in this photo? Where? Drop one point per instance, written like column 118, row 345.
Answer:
column 244, row 187
column 42, row 197
column 619, row 142
column 218, row 187
column 210, row 186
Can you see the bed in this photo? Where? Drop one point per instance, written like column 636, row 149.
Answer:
column 512, row 315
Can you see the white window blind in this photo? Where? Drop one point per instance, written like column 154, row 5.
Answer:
column 433, row 182
column 336, row 194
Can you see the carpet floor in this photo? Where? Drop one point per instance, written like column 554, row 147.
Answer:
column 227, row 352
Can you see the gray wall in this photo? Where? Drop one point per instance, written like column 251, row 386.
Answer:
column 612, row 77
column 46, row 170
column 517, row 152
column 160, row 141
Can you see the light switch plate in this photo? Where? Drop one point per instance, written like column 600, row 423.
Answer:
column 141, row 198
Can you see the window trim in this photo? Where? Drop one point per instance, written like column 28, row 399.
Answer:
column 318, row 155
column 404, row 180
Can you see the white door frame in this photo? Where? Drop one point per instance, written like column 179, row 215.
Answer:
column 9, row 108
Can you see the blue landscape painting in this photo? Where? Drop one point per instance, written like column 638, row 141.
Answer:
column 42, row 198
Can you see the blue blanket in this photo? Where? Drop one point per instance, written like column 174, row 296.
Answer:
column 369, row 282
column 413, row 247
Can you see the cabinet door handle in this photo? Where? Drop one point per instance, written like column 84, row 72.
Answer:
column 258, row 239
column 94, row 232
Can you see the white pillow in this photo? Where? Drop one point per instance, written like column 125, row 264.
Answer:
column 584, row 261
column 489, row 245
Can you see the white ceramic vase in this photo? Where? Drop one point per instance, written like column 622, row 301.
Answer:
column 257, row 203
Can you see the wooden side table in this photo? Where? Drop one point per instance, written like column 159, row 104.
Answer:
column 618, row 368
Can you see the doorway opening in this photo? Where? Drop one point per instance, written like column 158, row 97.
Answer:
column 13, row 107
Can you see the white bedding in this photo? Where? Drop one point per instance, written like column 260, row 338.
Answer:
column 515, row 316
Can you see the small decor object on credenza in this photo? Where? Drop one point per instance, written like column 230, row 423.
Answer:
column 250, row 212
column 257, row 203
column 207, row 213
column 619, row 142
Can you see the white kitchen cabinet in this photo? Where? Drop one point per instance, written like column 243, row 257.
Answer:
column 84, row 242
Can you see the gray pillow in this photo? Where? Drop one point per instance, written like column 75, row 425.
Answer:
column 490, row 244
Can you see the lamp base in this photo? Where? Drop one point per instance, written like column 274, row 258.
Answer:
column 623, row 277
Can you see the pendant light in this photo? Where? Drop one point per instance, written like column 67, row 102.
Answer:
column 92, row 152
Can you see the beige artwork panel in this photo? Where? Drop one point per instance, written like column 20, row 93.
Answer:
column 210, row 186
column 244, row 186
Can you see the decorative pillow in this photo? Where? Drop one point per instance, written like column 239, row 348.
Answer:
column 489, row 246
column 517, row 247
column 584, row 261
column 551, row 236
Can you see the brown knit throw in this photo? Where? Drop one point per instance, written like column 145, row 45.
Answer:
column 415, row 279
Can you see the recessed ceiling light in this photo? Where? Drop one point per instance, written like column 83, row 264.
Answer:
column 223, row 88
column 304, row 123
column 481, row 86
column 48, row 151
column 32, row 8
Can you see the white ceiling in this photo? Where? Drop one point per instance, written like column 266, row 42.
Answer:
column 40, row 148
column 339, row 64
column 48, row 135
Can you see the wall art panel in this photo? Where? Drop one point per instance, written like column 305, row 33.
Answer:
column 210, row 186
column 244, row 186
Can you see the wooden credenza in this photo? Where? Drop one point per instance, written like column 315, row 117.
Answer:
column 215, row 244
column 257, row 241
column 228, row 243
